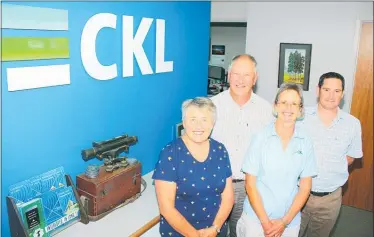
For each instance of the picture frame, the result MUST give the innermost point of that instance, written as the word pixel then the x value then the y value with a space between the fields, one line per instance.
pixel 294 64
pixel 218 49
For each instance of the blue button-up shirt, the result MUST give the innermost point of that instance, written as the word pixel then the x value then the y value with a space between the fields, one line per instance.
pixel 332 146
pixel 278 171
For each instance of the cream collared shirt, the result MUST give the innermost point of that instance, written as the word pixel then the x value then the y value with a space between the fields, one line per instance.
pixel 236 125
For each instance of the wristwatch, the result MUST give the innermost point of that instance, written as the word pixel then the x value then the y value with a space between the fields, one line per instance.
pixel 216 228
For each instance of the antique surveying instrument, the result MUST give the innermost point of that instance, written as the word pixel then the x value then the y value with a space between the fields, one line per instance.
pixel 114 184
pixel 110 150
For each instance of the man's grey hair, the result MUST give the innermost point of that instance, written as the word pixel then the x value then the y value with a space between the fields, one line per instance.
pixel 250 57
pixel 200 102
pixel 294 87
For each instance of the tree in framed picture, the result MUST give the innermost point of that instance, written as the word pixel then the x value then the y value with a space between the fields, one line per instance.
pixel 294 64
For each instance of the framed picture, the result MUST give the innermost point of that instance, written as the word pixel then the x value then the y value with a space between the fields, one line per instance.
pixel 294 64
pixel 218 49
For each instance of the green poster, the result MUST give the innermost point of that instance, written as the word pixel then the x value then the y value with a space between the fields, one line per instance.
pixel 32 48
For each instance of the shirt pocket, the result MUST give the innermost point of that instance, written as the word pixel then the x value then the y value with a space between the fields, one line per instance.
pixel 339 143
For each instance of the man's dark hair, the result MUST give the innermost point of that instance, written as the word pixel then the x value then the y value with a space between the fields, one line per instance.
pixel 331 75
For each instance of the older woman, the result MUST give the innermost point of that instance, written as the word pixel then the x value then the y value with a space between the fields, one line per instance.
pixel 193 177
pixel 279 166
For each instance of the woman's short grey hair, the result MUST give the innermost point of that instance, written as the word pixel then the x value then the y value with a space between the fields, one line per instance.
pixel 250 57
pixel 294 87
pixel 200 102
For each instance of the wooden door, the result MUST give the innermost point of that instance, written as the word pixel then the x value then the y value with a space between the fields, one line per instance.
pixel 359 188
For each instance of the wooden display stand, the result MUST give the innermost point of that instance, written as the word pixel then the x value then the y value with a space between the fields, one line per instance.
pixel 17 229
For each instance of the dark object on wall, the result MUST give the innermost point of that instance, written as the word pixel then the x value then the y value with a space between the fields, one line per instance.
pixel 218 49
pixel 17 228
pixel 109 191
pixel 228 24
pixel 179 130
pixel 109 150
pixel 294 64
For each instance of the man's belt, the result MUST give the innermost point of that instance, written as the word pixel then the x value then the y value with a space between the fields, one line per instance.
pixel 320 194
pixel 237 180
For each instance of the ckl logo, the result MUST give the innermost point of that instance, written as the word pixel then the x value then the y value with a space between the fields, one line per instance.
pixel 131 45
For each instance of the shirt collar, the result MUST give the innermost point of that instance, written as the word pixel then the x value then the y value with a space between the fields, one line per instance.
pixel 297 133
pixel 339 115
pixel 252 99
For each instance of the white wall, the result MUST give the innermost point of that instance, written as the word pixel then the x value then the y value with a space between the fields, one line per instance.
pixel 228 11
pixel 232 37
pixel 329 27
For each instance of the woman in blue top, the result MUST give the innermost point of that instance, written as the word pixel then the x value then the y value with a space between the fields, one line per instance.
pixel 279 166
pixel 193 177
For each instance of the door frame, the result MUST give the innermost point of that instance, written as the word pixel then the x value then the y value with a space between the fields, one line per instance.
pixel 357 41
pixel 356 45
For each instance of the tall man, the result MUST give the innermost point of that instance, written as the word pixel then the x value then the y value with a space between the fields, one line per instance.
pixel 240 114
pixel 337 141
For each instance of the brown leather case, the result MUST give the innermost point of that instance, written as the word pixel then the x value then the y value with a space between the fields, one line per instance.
pixel 109 189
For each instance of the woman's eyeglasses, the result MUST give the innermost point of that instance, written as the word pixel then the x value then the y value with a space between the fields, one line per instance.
pixel 292 105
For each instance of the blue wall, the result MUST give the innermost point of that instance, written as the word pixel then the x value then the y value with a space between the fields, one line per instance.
pixel 48 127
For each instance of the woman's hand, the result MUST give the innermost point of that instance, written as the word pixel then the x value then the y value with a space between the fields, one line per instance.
pixel 267 226
pixel 208 232
pixel 278 226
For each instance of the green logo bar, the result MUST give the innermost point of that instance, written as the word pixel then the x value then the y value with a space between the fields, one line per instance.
pixel 33 48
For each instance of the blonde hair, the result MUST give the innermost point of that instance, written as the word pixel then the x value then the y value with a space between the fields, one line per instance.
pixel 294 87
pixel 199 102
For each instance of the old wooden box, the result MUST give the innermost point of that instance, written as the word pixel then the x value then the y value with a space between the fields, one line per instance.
pixel 109 189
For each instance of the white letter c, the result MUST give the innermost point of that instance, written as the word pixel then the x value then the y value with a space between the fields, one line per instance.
pixel 88 46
